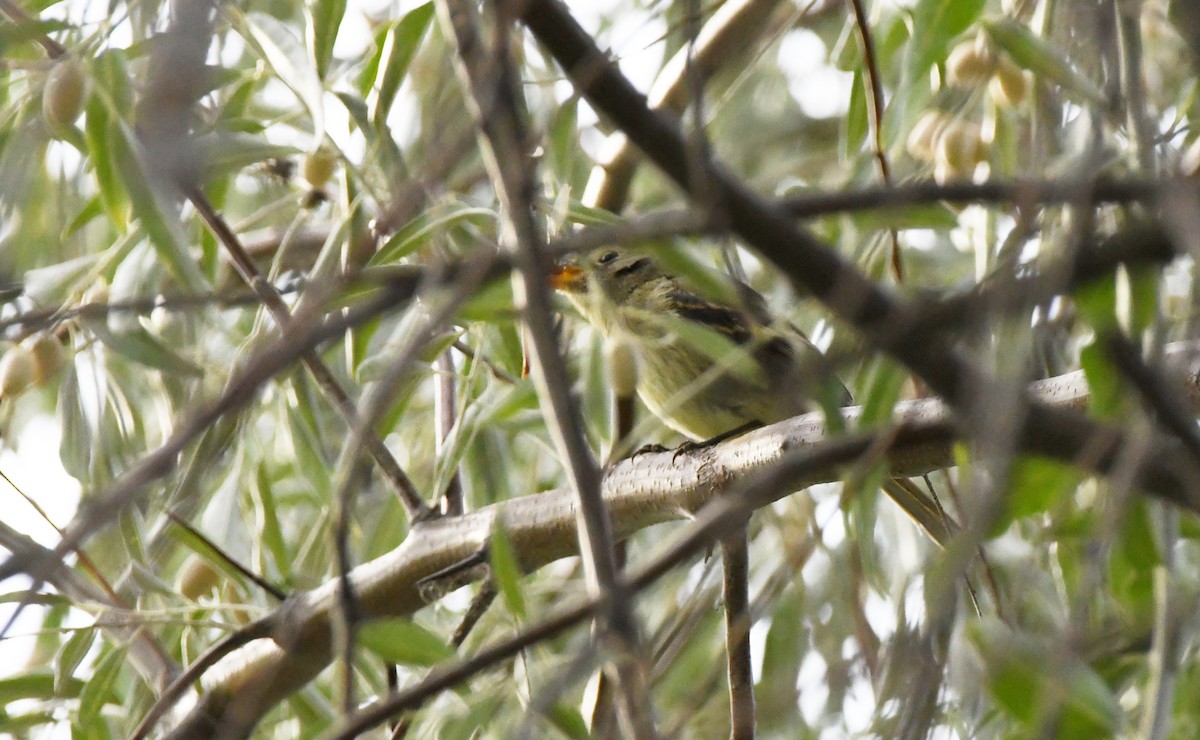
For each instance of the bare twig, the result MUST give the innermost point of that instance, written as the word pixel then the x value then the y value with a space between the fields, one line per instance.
pixel 735 552
pixel 226 558
pixel 333 390
pixel 875 108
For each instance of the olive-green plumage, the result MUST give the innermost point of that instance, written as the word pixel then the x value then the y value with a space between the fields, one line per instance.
pixel 704 368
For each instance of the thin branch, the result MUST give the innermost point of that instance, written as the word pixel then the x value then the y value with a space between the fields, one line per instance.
pixel 48 317
pixel 413 504
pixel 226 558
pixel 735 553
pixel 445 414
pixel 218 650
pixel 1156 390
pixel 1023 193
pixel 875 107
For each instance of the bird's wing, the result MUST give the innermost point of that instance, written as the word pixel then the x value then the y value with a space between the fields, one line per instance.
pixel 732 324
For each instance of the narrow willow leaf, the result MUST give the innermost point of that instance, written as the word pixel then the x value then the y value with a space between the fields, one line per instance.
pixel 226 152
pixel 289 59
pixel 784 651
pixel 936 23
pixel 590 215
pixel 112 192
pixel 857 121
pixel 395 56
pixel 506 571
pixel 568 720
pixel 158 218
pixel 1034 680
pixel 1035 486
pixel 268 528
pixel 139 345
pixel 324 21
pixel 69 656
pixel 1032 53
pixel 1107 396
pixel 404 642
pixel 36 685
pixel 75 447
pixel 427 225
pixel 99 689
pixel 91 210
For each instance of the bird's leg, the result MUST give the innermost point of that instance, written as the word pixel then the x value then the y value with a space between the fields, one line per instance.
pixel 689 446
pixel 648 449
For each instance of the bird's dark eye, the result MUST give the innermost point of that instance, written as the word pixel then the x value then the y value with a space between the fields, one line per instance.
pixel 607 257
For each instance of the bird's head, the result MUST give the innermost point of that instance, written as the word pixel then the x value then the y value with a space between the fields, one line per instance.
pixel 608 275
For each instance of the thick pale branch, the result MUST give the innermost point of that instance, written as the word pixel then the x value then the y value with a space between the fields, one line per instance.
pixel 646 490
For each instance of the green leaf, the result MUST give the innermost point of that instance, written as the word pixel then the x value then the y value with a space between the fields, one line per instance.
pixel 69 656
pixel 1143 300
pixel 857 123
pixel 404 642
pixel 395 56
pixel 1035 681
pixel 506 571
pixel 784 651
pixel 932 216
pixel 936 23
pixel 1032 53
pixel 324 20
pixel 268 528
pixel 139 345
pixel 112 192
pixel 98 690
pixel 154 214
pixel 579 213
pixel 1035 485
pixel 311 456
pixel 75 448
pixel 37 685
pixel 92 209
pixel 427 226
pixel 288 59
pixel 226 152
pixel 1107 397
pixel 564 139
pixel 1135 555
pixel 379 138
pixel 568 720
pixel 881 391
pixel 1097 302
pixel 22 32
pixel 20 724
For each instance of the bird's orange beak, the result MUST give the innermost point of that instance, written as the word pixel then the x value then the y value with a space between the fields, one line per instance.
pixel 568 277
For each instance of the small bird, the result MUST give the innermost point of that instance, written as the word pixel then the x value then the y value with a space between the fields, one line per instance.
pixel 709 369
pixel 703 367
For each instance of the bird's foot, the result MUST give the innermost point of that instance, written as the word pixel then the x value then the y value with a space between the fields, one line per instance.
pixel 689 446
pixel 648 450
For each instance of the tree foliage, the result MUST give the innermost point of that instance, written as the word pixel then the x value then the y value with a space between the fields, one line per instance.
pixel 269 267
